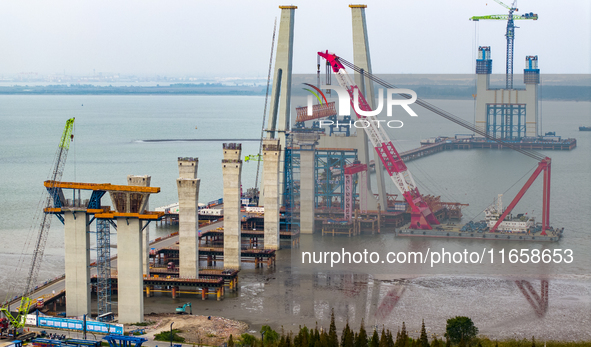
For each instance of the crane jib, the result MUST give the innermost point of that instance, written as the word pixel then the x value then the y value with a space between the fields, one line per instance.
pixel 421 216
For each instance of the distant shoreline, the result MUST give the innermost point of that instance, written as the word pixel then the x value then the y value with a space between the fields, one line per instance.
pixel 451 92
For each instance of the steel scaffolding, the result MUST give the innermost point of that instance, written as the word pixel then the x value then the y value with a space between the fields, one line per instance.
pixel 103 265
pixel 329 190
pixel 291 190
pixel 506 121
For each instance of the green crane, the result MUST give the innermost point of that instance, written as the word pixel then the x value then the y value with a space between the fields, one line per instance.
pixel 510 35
pixel 44 221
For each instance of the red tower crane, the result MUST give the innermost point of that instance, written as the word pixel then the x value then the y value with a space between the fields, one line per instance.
pixel 421 216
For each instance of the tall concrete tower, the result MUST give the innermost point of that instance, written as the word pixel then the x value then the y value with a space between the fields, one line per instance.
pixel 279 117
pixel 362 59
pixel 506 113
pixel 143 181
pixel 531 78
pixel 232 172
pixel 278 124
pixel 359 140
pixel 188 191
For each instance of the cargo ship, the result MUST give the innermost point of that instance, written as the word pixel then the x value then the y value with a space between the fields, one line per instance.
pixel 584 128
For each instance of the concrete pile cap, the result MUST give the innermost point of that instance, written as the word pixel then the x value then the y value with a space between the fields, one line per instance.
pixel 188 159
pixel 231 161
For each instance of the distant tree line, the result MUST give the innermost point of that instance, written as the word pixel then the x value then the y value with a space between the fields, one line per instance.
pixel 460 332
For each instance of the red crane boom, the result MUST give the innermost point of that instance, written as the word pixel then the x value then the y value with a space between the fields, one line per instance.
pixel 421 216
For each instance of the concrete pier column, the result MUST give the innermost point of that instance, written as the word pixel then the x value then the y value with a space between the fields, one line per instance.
pixel 130 276
pixel 362 59
pixel 143 181
pixel 232 174
pixel 279 116
pixel 271 199
pixel 188 191
pixel 77 251
pixel 307 160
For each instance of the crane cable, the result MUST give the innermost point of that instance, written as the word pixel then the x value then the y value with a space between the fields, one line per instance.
pixel 256 182
pixel 530 153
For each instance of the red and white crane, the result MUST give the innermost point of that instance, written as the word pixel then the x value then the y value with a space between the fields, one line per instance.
pixel 421 215
pixel 397 170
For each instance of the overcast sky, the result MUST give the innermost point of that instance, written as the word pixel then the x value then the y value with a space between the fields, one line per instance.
pixel 233 38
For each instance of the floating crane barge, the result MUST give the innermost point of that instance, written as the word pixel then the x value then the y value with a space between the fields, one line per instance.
pixel 499 224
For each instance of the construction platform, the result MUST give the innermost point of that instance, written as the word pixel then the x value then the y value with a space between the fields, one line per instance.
pixel 443 143
pixel 454 232
pixel 215 237
pixel 210 282
pixel 331 222
pixel 214 254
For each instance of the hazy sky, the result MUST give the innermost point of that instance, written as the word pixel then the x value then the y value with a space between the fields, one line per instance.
pixel 233 38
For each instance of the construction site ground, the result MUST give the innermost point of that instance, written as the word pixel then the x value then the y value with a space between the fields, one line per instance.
pixel 196 329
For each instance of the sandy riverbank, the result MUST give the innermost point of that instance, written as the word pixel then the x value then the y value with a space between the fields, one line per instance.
pixel 195 329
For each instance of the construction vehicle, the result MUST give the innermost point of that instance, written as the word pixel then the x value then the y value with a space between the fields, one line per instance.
pixel 183 309
pixel 17 320
pixel 510 35
pixel 383 143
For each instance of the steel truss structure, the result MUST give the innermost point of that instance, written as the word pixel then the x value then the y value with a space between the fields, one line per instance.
pixel 103 265
pixel 506 121
pixel 329 174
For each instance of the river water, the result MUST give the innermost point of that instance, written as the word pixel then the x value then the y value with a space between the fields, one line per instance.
pixel 109 144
